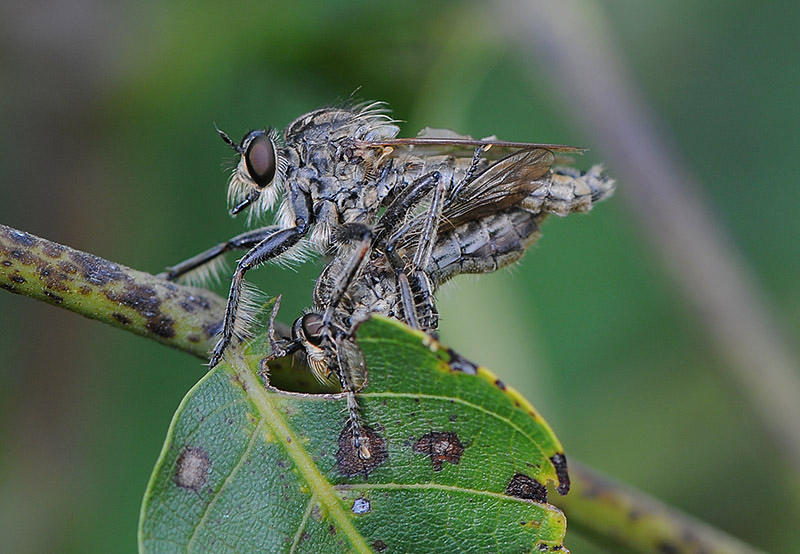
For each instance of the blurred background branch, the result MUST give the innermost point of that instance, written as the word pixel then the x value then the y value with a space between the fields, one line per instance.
pixel 573 43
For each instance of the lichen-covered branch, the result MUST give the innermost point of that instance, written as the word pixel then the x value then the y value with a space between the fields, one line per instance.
pixel 611 513
pixel 186 318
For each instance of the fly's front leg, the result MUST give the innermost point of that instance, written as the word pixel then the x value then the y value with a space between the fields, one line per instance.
pixel 245 241
pixel 272 246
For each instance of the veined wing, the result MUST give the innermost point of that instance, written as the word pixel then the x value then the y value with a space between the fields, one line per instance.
pixel 436 142
pixel 501 185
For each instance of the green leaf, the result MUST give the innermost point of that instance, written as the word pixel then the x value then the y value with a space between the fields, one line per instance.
pixel 248 468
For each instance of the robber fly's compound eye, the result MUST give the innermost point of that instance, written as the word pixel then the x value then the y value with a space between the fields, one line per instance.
pixel 313 328
pixel 260 159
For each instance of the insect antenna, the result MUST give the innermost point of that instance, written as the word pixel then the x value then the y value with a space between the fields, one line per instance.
pixel 229 141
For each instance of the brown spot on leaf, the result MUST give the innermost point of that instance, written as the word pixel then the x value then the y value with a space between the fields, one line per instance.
pixel 500 385
pixel 192 468
pixel 378 545
pixel 559 461
pixel 18 278
pixel 527 488
pixel 349 461
pixel 441 446
pixel 460 363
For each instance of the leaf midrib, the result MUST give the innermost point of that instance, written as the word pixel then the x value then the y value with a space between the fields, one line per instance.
pixel 320 487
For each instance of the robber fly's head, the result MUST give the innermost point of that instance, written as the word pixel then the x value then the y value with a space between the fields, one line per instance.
pixel 257 178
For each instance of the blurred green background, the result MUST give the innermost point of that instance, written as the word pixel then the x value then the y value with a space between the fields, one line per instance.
pixel 108 145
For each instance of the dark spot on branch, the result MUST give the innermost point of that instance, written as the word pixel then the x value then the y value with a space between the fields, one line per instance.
pixel 527 488
pixel 192 468
pixel 19 237
pixel 441 447
pixel 559 461
pixel 122 318
pixel 97 270
pixel 348 458
pixel 68 267
pixel 24 257
pixel 142 299
pixel 162 326
pixel 6 263
pixel 52 249
pixel 18 279
pixel 146 302
pixel 52 277
pixel 213 329
pixel 54 297
pixel 191 303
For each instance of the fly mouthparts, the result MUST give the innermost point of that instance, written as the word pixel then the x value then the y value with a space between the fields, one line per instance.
pixel 249 199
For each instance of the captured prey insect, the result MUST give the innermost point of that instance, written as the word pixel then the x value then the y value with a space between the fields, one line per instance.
pixel 351 190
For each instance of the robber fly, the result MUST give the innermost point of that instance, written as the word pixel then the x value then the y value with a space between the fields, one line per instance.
pixel 348 187
pixel 335 166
